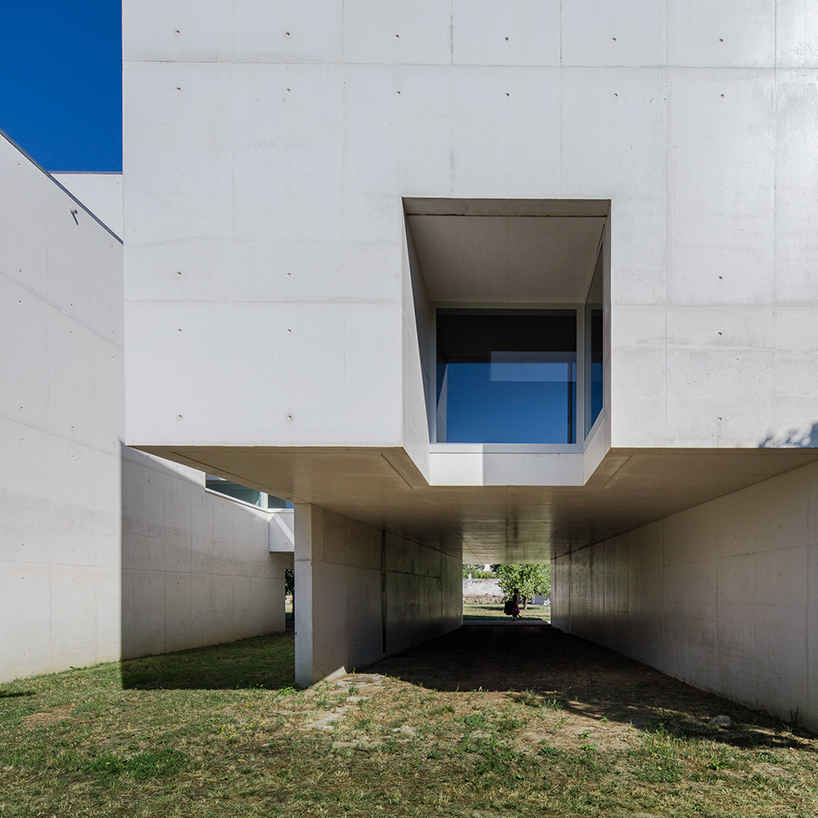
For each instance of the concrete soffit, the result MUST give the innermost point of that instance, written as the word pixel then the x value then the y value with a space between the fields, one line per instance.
pixel 495 523
pixel 506 251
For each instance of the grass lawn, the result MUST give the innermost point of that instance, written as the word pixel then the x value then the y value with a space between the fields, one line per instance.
pixel 534 613
pixel 222 732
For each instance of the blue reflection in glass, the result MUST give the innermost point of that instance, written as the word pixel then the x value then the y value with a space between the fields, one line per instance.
pixel 594 367
pixel 506 376
pixel 511 402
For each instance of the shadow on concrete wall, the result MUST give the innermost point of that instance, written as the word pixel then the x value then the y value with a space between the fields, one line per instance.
pixel 159 502
pixel 794 439
pixel 142 523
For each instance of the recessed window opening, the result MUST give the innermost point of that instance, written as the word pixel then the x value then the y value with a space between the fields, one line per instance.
pixel 244 494
pixel 506 376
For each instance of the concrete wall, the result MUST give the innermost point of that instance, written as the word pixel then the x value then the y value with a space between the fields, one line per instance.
pixel 267 151
pixel 101 193
pixel 61 413
pixel 723 595
pixel 103 550
pixel 362 593
pixel 196 569
pixel 482 587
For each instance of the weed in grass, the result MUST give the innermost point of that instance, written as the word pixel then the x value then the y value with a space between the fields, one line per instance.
pixel 508 724
pixel 551 753
pixel 528 697
pixel 149 764
pixel 655 761
pixel 722 759
pixel 494 757
pixel 532 699
pixel 475 720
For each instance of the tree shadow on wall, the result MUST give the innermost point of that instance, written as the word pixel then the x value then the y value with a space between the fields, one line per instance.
pixel 794 440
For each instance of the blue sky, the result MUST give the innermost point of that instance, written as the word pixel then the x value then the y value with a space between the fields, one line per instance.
pixel 61 86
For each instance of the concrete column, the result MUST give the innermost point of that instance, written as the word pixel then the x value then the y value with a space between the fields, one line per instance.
pixel 303 595
pixel 338 586
pixel 361 593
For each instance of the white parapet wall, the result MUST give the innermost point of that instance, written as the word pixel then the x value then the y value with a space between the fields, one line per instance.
pixel 101 193
pixel 723 596
pixel 104 551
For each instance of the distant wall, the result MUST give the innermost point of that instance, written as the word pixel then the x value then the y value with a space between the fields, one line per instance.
pixel 723 596
pixel 103 551
pixel 481 587
pixel 61 412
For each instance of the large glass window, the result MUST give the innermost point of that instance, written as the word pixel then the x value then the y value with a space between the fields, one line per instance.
pixel 506 376
pixel 594 349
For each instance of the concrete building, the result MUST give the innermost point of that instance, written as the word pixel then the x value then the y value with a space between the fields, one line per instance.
pixel 494 280
pixel 105 552
pixel 465 280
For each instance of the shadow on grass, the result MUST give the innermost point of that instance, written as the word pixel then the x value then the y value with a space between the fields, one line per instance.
pixel 494 612
pixel 478 618
pixel 7 694
pixel 581 678
pixel 262 662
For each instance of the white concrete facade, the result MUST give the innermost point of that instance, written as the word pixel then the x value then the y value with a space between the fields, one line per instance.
pixel 269 159
pixel 196 567
pixel 104 551
pixel 316 179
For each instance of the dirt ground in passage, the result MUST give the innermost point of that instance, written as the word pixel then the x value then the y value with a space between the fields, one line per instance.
pixel 600 695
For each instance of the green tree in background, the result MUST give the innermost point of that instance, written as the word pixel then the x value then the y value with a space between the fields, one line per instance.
pixel 530 579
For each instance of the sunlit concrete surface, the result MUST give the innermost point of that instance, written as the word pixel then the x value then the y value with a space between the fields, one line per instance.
pixel 101 193
pixel 104 551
